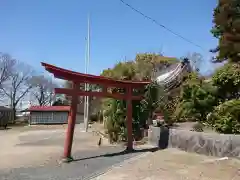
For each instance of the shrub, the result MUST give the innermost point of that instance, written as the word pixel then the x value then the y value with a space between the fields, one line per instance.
pixel 226 117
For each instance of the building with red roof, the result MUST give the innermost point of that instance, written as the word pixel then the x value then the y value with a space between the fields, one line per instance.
pixel 49 108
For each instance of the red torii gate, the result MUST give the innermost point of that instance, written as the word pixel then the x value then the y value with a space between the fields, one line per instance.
pixel 78 78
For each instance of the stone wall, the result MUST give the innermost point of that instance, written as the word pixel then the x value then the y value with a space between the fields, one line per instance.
pixel 220 145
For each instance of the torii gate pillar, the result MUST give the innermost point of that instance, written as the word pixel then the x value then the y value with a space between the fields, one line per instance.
pixel 129 120
pixel 67 157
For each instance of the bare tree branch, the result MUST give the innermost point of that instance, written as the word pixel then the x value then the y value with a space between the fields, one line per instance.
pixel 196 60
pixel 43 90
pixel 6 68
pixel 18 85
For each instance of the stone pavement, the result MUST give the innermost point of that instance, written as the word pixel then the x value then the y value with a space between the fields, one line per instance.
pixel 173 164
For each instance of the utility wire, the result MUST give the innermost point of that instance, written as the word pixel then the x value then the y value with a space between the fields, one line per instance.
pixel 161 25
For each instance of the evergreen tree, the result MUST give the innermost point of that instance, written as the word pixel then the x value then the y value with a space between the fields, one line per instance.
pixel 227 30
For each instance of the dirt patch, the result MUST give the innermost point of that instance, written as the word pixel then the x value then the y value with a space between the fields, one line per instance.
pixel 172 164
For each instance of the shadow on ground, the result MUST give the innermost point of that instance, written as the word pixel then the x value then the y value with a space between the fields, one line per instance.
pixel 119 153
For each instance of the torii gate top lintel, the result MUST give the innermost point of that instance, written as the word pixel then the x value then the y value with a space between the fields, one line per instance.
pixel 88 78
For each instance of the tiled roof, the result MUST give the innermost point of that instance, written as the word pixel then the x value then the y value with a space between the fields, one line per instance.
pixel 49 108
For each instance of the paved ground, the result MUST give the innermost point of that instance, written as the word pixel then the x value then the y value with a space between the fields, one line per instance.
pixel 89 163
pixel 34 152
pixel 172 164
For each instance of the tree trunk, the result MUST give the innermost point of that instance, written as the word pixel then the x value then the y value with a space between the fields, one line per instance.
pixel 14 115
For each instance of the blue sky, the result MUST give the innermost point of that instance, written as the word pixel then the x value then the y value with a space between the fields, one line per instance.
pixel 54 31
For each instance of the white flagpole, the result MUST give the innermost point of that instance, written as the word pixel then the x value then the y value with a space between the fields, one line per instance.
pixel 86 104
pixel 85 88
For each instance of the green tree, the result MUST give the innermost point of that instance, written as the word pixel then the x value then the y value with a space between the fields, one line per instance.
pixel 115 110
pixel 226 117
pixel 227 29
pixel 148 64
pixel 121 71
pixel 197 99
pixel 227 79
pixel 142 68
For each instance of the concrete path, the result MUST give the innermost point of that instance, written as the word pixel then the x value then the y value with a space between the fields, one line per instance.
pixel 172 164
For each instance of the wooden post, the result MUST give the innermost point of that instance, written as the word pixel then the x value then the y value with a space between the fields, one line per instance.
pixel 71 125
pixel 129 119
